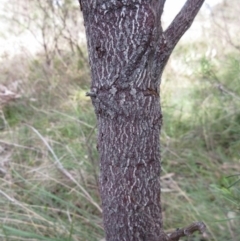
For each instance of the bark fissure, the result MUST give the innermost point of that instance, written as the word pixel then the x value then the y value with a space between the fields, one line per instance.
pixel 128 51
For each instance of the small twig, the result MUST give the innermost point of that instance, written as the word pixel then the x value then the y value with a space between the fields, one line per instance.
pixel 189 230
pixel 20 146
pixel 80 3
pixel 91 94
pixel 224 90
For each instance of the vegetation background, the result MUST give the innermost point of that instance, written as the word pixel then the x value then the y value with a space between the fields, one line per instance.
pixel 48 157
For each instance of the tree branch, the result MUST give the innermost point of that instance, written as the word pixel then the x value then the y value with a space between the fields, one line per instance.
pixel 161 3
pixel 80 3
pixel 189 230
pixel 182 22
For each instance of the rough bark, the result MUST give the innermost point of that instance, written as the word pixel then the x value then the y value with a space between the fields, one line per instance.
pixel 128 51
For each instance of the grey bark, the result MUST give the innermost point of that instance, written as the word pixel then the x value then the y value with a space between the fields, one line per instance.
pixel 128 51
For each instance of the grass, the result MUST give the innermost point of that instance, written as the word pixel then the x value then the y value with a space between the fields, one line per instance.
pixel 49 161
pixel 200 148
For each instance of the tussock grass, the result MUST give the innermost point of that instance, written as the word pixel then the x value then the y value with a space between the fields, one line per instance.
pixel 49 167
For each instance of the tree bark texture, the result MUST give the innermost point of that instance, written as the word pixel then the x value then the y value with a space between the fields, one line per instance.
pixel 127 52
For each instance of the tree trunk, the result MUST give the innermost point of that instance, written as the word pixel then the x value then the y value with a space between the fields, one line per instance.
pixel 128 51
